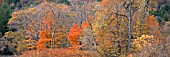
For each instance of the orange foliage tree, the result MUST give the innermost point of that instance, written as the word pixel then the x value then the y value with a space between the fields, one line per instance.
pixel 43 38
pixel 152 22
pixel 73 35
pixel 46 32
pixel 85 24
pixel 81 34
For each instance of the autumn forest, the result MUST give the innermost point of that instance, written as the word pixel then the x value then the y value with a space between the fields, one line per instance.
pixel 85 28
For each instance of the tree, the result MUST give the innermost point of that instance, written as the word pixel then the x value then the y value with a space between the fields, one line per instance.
pixel 123 20
pixel 108 27
pixel 6 10
pixel 73 35
pixel 32 21
pixel 44 40
pixel 127 11
pixel 48 31
pixel 81 34
pixel 15 41
pixel 82 12
pixel 161 12
pixel 64 2
pixel 87 38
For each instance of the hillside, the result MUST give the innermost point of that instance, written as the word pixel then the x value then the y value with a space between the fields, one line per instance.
pixel 85 28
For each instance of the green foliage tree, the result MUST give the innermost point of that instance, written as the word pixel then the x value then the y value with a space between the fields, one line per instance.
pixel 162 12
pixel 64 2
pixel 6 10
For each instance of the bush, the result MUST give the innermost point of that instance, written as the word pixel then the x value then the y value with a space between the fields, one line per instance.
pixel 60 53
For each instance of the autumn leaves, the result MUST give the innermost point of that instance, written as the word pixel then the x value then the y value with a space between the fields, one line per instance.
pixel 73 35
pixel 152 22
pixel 102 27
pixel 43 38
pixel 75 32
pixel 46 35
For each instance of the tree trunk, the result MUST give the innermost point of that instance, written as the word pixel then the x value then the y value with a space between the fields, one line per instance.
pixel 129 26
pixel 94 40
